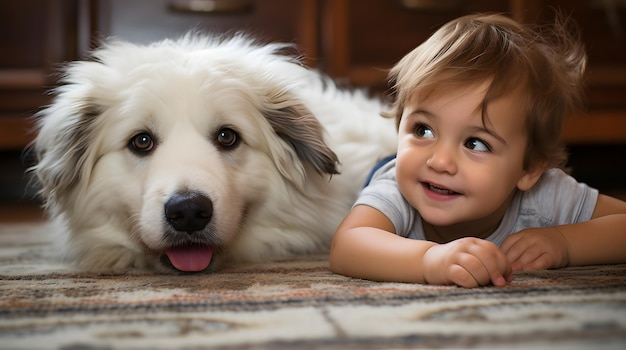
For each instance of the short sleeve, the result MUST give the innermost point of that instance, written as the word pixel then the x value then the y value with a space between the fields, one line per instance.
pixel 558 199
pixel 384 195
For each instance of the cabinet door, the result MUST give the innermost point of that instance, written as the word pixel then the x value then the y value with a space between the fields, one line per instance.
pixel 36 36
pixel 361 40
pixel 602 25
pixel 144 21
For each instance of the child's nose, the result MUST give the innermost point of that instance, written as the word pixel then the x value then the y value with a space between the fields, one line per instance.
pixel 443 160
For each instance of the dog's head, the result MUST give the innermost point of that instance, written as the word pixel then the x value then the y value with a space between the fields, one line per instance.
pixel 166 149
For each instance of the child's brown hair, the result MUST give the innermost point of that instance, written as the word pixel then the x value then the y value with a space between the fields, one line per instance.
pixel 547 67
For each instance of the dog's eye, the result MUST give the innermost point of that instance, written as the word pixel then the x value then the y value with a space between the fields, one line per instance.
pixel 227 138
pixel 141 143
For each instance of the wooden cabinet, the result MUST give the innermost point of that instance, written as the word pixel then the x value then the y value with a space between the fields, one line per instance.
pixel 145 21
pixel 361 40
pixel 35 36
pixel 603 29
pixel 354 41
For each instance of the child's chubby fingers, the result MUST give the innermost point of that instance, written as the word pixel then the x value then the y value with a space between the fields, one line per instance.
pixel 468 271
pixel 462 277
pixel 512 248
pixel 538 262
pixel 496 264
pixel 471 272
pixel 518 251
pixel 451 264
pixel 527 260
pixel 467 262
pixel 486 263
pixel 535 250
pixel 534 259
pixel 499 279
pixel 500 270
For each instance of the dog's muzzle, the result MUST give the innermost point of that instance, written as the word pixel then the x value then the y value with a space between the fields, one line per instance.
pixel 188 214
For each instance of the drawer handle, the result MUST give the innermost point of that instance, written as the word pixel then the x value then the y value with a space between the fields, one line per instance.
pixel 211 6
pixel 440 5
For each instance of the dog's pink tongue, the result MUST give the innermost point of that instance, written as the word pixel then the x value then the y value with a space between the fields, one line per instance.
pixel 190 258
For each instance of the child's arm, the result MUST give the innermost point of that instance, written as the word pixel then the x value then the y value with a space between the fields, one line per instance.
pixel 601 240
pixel 365 246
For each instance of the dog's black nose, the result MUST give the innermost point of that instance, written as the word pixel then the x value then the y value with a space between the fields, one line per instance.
pixel 188 211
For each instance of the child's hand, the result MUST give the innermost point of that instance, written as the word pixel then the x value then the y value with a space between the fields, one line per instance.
pixel 536 249
pixel 468 262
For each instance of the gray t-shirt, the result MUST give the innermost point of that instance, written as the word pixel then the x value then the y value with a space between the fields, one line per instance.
pixel 556 199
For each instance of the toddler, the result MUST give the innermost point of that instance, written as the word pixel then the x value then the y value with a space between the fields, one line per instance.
pixel 476 191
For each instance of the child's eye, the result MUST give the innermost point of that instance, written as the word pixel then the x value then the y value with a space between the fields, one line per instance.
pixel 423 131
pixel 477 145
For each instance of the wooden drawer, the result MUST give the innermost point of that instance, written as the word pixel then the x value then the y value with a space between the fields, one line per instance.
pixel 145 21
pixel 36 36
pixel 361 40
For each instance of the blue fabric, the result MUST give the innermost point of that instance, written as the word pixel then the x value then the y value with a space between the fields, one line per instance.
pixel 378 166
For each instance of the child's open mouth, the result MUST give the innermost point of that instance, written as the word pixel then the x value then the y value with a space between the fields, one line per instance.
pixel 439 190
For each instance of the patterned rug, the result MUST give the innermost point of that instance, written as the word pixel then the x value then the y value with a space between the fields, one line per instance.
pixel 294 304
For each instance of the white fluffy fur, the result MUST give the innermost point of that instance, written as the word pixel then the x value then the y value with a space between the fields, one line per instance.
pixel 272 194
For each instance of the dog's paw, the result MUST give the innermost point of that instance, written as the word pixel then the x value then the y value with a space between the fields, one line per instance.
pixel 115 259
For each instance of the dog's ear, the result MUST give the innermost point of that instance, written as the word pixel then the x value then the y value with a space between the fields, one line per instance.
pixel 302 132
pixel 61 150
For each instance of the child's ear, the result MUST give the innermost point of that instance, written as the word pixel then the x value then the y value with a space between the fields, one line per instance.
pixel 530 177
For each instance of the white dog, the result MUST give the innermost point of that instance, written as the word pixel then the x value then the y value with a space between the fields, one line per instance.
pixel 193 153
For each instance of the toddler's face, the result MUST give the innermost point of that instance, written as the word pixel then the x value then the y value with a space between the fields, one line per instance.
pixel 455 169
